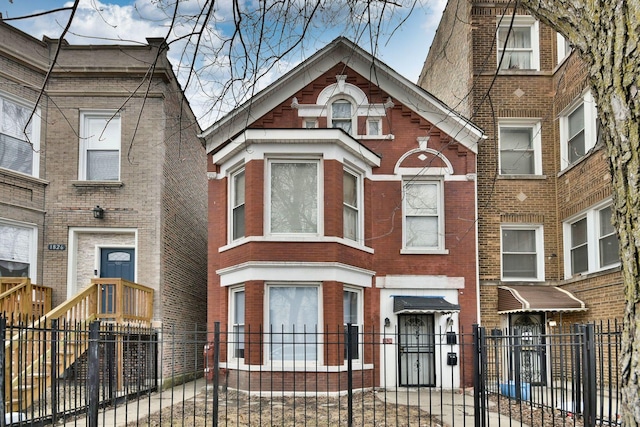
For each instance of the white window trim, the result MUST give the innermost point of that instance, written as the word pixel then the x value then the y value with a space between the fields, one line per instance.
pixel 536 145
pixel 232 308
pixel 521 21
pixel 320 192
pixel 279 363
pixel 360 205
pixel 230 203
pixel 593 239
pixel 540 274
pixel 35 132
pixel 440 249
pixel 360 323
pixel 590 128
pixel 563 52
pixel 82 161
pixel 33 245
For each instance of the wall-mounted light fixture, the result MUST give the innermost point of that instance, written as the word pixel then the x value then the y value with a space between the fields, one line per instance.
pixel 387 322
pixel 98 212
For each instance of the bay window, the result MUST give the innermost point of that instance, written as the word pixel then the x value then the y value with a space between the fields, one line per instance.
pixel 293 322
pixel 17 250
pixel 237 197
pixel 294 196
pixel 19 137
pixel 351 205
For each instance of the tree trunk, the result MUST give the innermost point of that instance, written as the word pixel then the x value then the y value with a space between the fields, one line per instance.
pixel 606 35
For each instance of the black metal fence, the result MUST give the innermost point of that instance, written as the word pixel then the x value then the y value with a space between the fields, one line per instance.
pixel 125 376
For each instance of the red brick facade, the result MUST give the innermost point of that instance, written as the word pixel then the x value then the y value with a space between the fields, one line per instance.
pixel 376 264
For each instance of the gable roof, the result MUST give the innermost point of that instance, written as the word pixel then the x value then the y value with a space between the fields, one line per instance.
pixel 342 50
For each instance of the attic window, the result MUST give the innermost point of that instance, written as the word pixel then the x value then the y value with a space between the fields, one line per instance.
pixel 341 115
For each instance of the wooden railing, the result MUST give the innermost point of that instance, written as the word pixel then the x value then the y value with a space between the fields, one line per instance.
pixel 21 301
pixel 110 300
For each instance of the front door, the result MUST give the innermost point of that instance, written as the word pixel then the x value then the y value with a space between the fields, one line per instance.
pixel 117 262
pixel 416 345
pixel 114 263
pixel 532 347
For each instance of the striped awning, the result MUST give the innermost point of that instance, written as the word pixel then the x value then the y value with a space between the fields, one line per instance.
pixel 423 304
pixel 527 298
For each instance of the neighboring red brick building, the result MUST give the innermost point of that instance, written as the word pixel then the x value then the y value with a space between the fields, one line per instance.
pixel 340 194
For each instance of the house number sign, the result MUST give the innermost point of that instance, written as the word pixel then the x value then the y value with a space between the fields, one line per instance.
pixel 57 247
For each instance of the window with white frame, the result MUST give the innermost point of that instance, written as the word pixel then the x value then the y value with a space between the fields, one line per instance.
pixel 294 316
pixel 237 198
pixel 578 130
pixel 374 127
pixel 522 252
pixel 352 308
pixel 422 208
pixel 564 47
pixel 19 137
pixel 520 148
pixel 351 216
pixel 99 147
pixel 518 45
pixel 310 123
pixel 294 196
pixel 237 322
pixel 591 242
pixel 342 115
pixel 17 250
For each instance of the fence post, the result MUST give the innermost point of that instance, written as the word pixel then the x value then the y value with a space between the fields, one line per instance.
pixel 349 375
pixel 577 370
pixel 517 358
pixel 478 377
pixel 110 351
pixel 589 375
pixel 216 372
pixel 3 391
pixel 93 374
pixel 54 370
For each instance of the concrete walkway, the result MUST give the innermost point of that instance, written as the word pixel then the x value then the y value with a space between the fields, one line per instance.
pixel 454 409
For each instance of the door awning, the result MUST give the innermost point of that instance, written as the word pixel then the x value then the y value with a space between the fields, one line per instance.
pixel 423 304
pixel 526 298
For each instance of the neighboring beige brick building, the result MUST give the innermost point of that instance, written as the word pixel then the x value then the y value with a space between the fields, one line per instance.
pixel 544 190
pixel 104 134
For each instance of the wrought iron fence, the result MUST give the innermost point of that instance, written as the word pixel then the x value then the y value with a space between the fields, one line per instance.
pixel 124 376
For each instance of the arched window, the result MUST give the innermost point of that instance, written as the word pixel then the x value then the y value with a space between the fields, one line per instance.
pixel 341 115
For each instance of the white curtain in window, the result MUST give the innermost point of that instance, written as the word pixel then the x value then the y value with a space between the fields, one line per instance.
pixel 517 47
pixel 15 245
pixel 294 197
pixel 293 317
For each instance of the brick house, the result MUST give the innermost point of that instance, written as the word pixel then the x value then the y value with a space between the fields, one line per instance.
pixel 341 194
pixel 114 184
pixel 548 253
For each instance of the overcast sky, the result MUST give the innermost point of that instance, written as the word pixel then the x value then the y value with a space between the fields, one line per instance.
pixel 109 21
